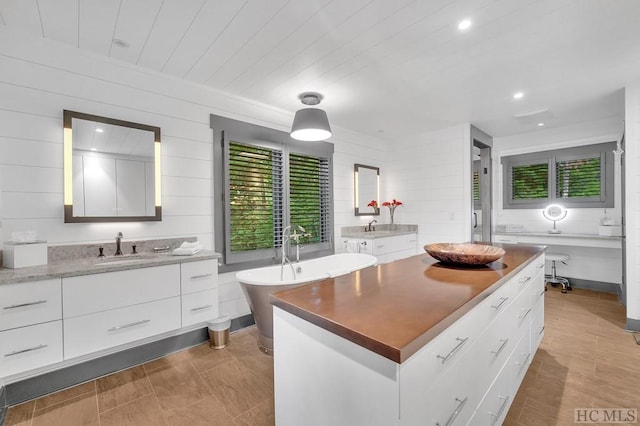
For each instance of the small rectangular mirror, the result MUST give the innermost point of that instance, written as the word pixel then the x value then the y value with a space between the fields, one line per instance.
pixel 111 170
pixel 367 189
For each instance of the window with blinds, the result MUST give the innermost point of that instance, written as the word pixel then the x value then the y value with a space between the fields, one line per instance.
pixel 573 177
pixel 309 196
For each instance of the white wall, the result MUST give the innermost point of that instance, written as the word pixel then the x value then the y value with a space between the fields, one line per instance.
pixel 430 173
pixel 603 265
pixel 38 79
pixel 632 200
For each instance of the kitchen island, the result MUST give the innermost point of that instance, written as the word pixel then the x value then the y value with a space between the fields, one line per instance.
pixel 409 342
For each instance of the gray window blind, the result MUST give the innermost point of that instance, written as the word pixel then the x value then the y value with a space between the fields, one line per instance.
pixel 578 178
pixel 530 181
pixel 255 197
pixel 309 195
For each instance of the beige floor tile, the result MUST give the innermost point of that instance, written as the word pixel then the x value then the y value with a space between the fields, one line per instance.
pixel 141 412
pixel 165 362
pixel 20 415
pixel 244 348
pixel 203 357
pixel 79 411
pixel 178 385
pixel 208 412
pixel 238 388
pixel 261 415
pixel 119 388
pixel 67 394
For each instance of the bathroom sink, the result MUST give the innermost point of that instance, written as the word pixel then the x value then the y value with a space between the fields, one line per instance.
pixel 123 260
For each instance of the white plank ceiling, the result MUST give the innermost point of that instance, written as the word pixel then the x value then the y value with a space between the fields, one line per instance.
pixel 386 68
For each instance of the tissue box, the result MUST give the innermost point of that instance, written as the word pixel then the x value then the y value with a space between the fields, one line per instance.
pixel 610 230
pixel 21 255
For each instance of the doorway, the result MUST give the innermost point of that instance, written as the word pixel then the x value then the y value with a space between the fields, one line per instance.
pixel 481 144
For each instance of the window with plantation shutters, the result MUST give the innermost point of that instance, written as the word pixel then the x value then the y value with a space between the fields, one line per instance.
pixel 573 177
pixel 264 182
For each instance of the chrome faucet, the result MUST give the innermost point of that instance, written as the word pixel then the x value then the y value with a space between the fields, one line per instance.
pixel 286 236
pixel 370 226
pixel 118 241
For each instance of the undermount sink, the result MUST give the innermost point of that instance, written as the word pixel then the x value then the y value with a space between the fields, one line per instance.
pixel 123 260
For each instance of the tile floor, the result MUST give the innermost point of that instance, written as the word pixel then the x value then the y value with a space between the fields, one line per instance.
pixel 586 359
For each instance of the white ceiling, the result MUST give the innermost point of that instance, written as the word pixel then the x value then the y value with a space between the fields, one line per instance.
pixel 387 68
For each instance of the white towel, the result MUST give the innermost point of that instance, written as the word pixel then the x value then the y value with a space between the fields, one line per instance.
pixel 187 249
pixel 353 246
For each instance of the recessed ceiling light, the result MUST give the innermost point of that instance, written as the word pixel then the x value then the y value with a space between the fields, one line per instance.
pixel 518 95
pixel 99 130
pixel 465 24
pixel 93 149
pixel 540 124
pixel 120 43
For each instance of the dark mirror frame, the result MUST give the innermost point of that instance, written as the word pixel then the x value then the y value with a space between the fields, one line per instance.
pixel 356 170
pixel 68 116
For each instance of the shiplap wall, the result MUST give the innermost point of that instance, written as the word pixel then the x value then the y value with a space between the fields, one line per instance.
pixel 632 200
pixel 588 263
pixel 38 79
pixel 430 173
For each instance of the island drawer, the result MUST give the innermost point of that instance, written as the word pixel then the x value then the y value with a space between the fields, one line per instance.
pixel 199 276
pixel 494 406
pixel 26 348
pixel 102 330
pixel 29 303
pixel 99 292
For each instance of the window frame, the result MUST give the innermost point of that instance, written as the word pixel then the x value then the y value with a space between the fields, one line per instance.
pixel 227 130
pixel 607 188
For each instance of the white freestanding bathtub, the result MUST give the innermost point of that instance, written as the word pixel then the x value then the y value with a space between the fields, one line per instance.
pixel 258 284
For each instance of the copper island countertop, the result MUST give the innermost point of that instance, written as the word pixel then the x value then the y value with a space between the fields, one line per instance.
pixel 396 308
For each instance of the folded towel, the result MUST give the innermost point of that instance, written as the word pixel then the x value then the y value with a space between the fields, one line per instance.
pixel 187 249
pixel 353 246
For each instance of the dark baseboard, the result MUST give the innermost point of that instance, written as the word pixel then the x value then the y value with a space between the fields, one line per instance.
pixel 35 387
pixel 595 285
pixel 633 324
pixel 3 405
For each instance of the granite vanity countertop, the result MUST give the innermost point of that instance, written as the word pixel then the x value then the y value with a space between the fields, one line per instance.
pixel 95 265
pixel 382 231
pixel 396 308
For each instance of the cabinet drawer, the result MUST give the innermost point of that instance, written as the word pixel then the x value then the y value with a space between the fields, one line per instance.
pixel 527 276
pixel 520 360
pixel 537 328
pixel 495 405
pixel 199 307
pixel 199 276
pixel 29 303
pixel 26 348
pixel 493 349
pixel 102 330
pixel 520 312
pixel 99 292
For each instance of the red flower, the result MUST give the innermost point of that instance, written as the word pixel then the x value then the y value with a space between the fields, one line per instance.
pixel 373 203
pixel 393 203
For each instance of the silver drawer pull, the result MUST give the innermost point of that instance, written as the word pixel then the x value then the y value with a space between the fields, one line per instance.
pixel 200 308
pixel 195 277
pixel 541 293
pixel 541 330
pixel 454 350
pixel 502 407
pixel 525 280
pixel 524 361
pixel 540 266
pixel 131 324
pixel 452 417
pixel 502 300
pixel 504 343
pixel 35 348
pixel 525 314
pixel 22 305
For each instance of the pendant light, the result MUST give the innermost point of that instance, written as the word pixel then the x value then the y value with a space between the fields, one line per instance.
pixel 310 124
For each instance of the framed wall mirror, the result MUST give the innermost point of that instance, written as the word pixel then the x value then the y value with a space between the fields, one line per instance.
pixel 111 170
pixel 367 189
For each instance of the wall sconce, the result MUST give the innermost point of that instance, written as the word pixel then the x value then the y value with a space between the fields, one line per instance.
pixel 554 213
pixel 310 124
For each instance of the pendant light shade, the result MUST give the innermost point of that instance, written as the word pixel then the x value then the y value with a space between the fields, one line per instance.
pixel 310 124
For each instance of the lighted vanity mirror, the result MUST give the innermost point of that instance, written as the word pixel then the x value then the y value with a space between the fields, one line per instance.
pixel 111 170
pixel 367 189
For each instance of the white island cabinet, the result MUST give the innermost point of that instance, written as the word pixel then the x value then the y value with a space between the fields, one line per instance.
pixel 332 366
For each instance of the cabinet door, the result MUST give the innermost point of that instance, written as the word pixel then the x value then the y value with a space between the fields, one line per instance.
pixel 103 330
pixel 29 303
pixel 199 276
pixel 199 307
pixel 26 348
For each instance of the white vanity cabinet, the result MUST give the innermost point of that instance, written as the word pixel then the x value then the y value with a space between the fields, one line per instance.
pixel 30 320
pixel 388 249
pixel 109 309
pixel 199 289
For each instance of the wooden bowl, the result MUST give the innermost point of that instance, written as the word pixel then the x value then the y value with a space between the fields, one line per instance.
pixel 464 253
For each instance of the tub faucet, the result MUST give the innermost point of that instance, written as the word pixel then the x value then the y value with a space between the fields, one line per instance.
pixel 370 226
pixel 118 241
pixel 286 236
